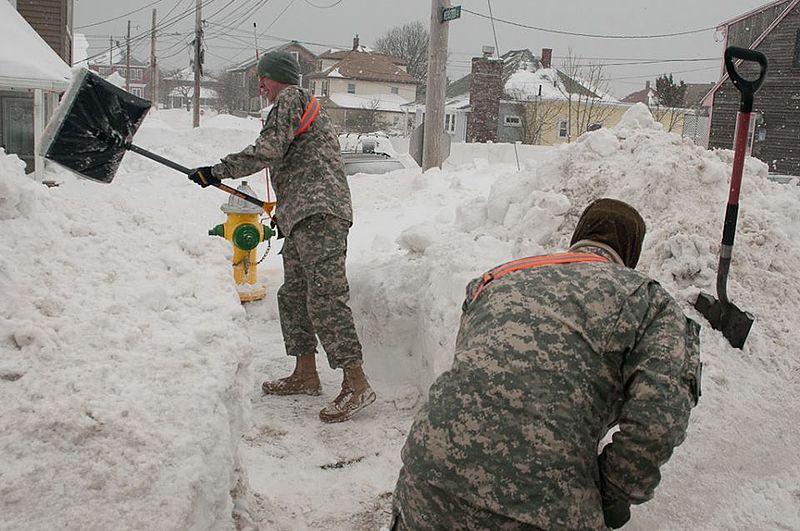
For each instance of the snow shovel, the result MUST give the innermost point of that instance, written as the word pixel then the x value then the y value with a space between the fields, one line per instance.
pixel 722 314
pixel 94 127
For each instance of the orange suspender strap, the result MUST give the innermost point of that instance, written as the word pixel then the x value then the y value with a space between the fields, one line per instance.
pixel 527 263
pixel 312 109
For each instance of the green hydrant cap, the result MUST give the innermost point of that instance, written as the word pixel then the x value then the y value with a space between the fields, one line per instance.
pixel 246 236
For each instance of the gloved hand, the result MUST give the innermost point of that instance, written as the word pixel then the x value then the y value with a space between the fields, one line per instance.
pixel 203 176
pixel 273 223
pixel 616 513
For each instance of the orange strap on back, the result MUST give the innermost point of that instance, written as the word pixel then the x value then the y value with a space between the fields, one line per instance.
pixel 528 263
pixel 312 109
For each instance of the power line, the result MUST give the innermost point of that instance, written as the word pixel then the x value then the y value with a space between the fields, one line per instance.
pixel 324 7
pixel 660 73
pixel 118 17
pixel 591 35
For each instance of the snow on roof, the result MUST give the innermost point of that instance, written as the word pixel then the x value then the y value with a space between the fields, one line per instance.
pixel 187 74
pixel 381 102
pixel 544 83
pixel 335 73
pixel 116 79
pixel 26 61
pixel 80 50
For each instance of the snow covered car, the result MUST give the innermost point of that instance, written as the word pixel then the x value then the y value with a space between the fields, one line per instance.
pixel 368 154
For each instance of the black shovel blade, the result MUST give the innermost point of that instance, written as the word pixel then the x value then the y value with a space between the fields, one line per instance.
pixel 726 317
pixel 92 127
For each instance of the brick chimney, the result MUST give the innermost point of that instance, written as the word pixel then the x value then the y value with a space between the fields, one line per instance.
pixel 484 98
pixel 547 57
pixel 355 43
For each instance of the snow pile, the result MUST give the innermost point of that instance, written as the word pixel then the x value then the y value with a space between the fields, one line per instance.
pixel 122 373
pixel 738 467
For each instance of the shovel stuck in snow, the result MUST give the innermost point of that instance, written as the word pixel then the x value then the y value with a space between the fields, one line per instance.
pixel 722 314
pixel 94 127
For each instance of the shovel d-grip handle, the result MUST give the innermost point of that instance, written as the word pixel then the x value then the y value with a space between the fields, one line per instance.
pixel 188 171
pixel 746 87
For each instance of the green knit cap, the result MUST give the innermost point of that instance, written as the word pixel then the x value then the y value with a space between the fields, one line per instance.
pixel 279 66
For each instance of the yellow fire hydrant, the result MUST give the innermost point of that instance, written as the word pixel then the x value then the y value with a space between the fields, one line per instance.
pixel 244 230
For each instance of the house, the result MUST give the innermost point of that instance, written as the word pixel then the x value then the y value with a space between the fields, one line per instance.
pixel 177 90
pixel 520 97
pixel 242 84
pixel 774 30
pixel 137 82
pixel 52 20
pixel 690 118
pixel 364 91
pixel 32 76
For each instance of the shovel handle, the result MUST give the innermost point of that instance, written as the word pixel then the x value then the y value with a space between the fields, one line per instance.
pixel 188 171
pixel 746 87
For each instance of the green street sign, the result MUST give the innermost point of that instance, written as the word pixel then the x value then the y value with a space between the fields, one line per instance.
pixel 451 13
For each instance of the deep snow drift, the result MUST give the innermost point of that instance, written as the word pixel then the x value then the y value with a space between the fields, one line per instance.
pixel 125 358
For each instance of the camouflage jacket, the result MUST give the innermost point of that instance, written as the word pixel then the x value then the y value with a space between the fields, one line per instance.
pixel 546 360
pixel 307 171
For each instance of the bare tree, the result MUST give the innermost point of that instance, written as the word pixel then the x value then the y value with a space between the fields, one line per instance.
pixel 365 120
pixel 410 42
pixel 586 85
pixel 229 93
pixel 539 117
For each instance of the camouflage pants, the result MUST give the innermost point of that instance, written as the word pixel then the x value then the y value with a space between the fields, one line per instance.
pixel 313 300
pixel 419 506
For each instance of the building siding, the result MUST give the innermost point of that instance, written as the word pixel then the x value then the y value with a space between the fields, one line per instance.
pixel 777 138
pixel 50 19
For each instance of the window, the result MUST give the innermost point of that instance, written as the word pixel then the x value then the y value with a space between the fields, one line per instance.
pixel 136 73
pixel 562 129
pixel 513 121
pixel 351 88
pixel 450 122
pixel 325 87
pixel 319 65
pixel 395 90
pixel 136 91
pixel 312 86
pixel 244 78
pixel 296 56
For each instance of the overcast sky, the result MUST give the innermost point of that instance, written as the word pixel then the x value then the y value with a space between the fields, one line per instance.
pixel 313 22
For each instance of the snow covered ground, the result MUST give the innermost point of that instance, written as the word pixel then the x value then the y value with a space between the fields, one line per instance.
pixel 130 374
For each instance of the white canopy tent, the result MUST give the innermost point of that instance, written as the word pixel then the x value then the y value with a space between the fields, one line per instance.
pixel 29 65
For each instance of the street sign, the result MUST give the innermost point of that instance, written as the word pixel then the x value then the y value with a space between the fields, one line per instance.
pixel 451 13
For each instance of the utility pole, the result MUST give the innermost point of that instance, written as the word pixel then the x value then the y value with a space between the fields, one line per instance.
pixel 198 34
pixel 437 84
pixel 153 67
pixel 110 52
pixel 128 59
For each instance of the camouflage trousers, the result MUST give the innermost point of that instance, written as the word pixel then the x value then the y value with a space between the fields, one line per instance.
pixel 313 300
pixel 420 506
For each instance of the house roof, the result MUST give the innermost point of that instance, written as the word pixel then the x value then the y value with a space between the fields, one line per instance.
pixel 379 102
pixel 368 67
pixel 338 55
pixel 26 61
pixel 752 12
pixel 792 5
pixel 524 78
pixel 247 63
pixel 640 96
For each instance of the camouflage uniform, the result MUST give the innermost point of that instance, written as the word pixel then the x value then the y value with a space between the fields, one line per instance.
pixel 314 212
pixel 546 360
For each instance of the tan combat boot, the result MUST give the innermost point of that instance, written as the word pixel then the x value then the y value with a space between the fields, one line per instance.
pixel 356 394
pixel 303 381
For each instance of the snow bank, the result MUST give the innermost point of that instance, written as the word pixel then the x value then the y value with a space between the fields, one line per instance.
pixel 122 375
pixel 738 467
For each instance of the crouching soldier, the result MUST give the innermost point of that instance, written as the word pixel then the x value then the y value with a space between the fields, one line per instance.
pixel 552 351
